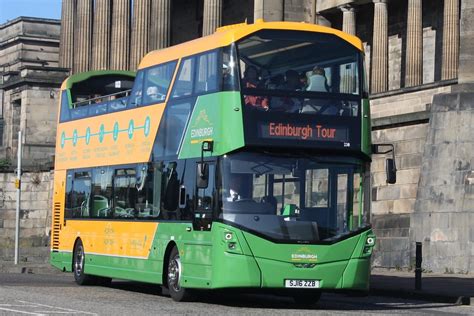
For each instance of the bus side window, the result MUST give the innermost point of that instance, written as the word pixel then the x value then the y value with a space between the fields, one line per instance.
pixel 205 202
pixel 170 192
pixel 124 184
pixel 68 206
pixel 157 82
pixel 206 79
pixel 183 85
pixel 101 205
pixel 172 128
pixel 135 98
pixel 65 110
pixel 78 191
pixel 144 205
pixel 175 179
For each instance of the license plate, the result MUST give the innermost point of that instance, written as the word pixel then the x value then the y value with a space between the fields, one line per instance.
pixel 302 284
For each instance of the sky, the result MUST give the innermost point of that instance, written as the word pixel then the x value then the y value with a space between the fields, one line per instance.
pixel 11 9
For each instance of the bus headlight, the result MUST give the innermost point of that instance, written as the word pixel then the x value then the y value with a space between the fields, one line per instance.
pixel 228 236
pixel 370 241
pixel 369 245
pixel 231 242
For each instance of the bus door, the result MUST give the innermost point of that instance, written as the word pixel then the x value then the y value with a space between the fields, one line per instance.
pixel 197 252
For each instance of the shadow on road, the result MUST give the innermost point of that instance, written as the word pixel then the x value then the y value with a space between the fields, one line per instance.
pixel 246 299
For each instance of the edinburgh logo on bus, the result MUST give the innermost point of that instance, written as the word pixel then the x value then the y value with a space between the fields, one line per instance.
pixel 307 132
pixel 202 127
pixel 304 254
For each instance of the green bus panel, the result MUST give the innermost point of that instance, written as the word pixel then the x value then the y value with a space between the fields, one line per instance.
pixel 253 262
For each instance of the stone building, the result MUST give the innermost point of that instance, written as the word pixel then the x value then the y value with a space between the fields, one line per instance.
pixel 421 71
pixel 29 83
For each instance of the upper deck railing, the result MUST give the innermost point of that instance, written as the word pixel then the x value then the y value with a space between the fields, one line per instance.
pixel 102 99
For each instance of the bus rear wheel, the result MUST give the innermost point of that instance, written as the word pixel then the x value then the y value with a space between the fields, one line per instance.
pixel 173 275
pixel 79 261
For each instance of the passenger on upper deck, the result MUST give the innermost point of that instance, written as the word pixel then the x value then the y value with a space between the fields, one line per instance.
pixel 252 81
pixel 288 104
pixel 153 94
pixel 317 81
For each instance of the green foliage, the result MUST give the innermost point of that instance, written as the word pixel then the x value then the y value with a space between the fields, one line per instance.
pixel 5 163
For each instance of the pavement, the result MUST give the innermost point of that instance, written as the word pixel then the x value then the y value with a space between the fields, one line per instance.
pixel 440 288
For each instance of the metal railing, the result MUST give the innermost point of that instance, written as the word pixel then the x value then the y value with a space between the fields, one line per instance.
pixel 102 99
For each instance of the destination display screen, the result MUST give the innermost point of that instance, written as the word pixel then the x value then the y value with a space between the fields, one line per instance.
pixel 304 132
pixel 295 130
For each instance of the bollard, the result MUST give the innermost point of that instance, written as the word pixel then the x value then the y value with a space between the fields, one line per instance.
pixel 418 260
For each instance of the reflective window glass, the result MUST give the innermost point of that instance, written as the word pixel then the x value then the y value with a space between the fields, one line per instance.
pixel 183 85
pixel 207 78
pixel 101 205
pixel 136 95
pixel 171 130
pixel 157 82
pixel 78 191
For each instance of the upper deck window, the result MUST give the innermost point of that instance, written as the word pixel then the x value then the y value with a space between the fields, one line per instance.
pixel 208 72
pixel 207 78
pixel 157 82
pixel 152 84
pixel 300 72
pixel 183 85
pixel 96 94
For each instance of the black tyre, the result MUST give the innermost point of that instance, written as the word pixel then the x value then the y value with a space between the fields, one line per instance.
pixel 307 298
pixel 173 278
pixel 79 261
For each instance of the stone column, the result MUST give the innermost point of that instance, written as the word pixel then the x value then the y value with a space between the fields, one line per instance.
pixel 212 16
pixel 83 28
pixel 348 73
pixel 101 35
pixel 66 49
pixel 414 56
pixel 380 48
pixel 120 39
pixel 139 32
pixel 348 19
pixel 269 10
pixel 309 7
pixel 450 55
pixel 466 39
pixel 160 24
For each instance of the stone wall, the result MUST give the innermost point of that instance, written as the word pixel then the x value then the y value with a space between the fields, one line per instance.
pixel 35 216
pixel 400 118
pixel 443 217
pixel 34 109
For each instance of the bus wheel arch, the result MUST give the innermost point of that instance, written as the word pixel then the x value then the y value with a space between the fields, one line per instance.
pixel 78 239
pixel 166 260
pixel 173 273
pixel 78 264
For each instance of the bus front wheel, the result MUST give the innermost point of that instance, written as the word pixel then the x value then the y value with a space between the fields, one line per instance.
pixel 79 261
pixel 176 291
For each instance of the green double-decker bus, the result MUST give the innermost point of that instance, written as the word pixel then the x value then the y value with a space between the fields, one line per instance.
pixel 238 160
